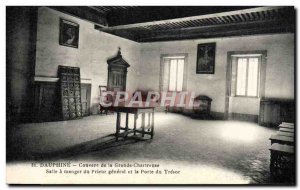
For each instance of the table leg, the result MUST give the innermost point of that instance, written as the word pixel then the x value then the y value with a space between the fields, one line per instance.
pixel 149 124
pixel 272 164
pixel 118 125
pixel 143 124
pixel 126 126
pixel 134 125
pixel 152 125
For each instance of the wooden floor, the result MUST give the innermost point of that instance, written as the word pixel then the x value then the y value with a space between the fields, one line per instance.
pixel 239 147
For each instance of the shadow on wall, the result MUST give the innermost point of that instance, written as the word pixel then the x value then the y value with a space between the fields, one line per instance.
pixel 21 29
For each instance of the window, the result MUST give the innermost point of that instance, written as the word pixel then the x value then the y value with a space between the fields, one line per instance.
pixel 173 72
pixel 176 74
pixel 247 76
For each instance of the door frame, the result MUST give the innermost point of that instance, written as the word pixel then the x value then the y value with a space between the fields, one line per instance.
pixel 88 87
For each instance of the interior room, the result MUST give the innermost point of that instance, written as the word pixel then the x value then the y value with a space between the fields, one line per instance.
pixel 236 65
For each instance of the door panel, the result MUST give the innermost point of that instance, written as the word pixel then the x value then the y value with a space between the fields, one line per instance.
pixel 85 98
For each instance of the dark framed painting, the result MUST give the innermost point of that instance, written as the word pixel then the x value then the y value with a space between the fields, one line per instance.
pixel 68 33
pixel 206 58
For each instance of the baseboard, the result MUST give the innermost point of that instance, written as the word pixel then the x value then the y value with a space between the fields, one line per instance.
pixel 213 115
pixel 218 115
pixel 160 109
pixel 243 117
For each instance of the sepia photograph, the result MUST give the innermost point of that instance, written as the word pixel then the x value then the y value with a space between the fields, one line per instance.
pixel 151 95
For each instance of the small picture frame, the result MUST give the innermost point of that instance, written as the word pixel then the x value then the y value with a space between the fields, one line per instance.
pixel 206 58
pixel 68 33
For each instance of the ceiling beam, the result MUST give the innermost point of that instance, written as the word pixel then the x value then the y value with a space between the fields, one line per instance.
pixel 218 34
pixel 98 10
pixel 84 13
pixel 144 24
pixel 221 30
pixel 229 25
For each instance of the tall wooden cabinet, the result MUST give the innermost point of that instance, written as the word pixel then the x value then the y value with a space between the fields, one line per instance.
pixel 117 73
pixel 70 88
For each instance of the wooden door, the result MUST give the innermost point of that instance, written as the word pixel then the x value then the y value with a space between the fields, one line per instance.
pixel 46 101
pixel 117 81
pixel 85 98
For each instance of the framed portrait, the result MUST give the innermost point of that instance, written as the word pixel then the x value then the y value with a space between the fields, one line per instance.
pixel 68 33
pixel 206 58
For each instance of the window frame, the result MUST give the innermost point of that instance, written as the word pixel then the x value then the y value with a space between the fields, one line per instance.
pixel 176 82
pixel 247 73
pixel 184 57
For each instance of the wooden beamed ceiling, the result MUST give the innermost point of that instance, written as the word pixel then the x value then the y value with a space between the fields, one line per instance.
pixel 108 9
pixel 164 23
pixel 259 20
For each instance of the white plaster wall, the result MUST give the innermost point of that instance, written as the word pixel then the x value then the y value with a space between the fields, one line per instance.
pixel 94 49
pixel 279 73
pixel 244 105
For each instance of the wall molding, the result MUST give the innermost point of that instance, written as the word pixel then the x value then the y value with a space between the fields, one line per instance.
pixel 55 79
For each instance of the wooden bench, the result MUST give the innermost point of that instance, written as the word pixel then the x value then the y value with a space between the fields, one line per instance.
pixel 282 165
pixel 287 134
pixel 285 123
pixel 287 126
pixel 286 130
pixel 286 149
pixel 284 140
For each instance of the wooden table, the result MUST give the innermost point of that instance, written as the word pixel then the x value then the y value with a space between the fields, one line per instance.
pixel 149 129
pixel 282 164
pixel 286 130
pixel 288 134
pixel 287 126
pixel 282 139
pixel 282 149
pixel 285 123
